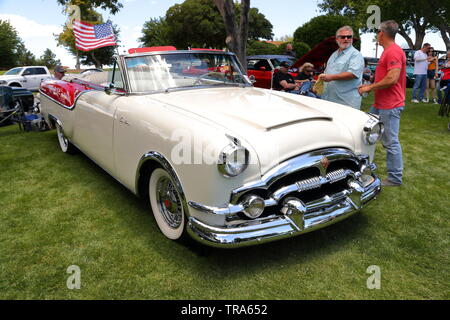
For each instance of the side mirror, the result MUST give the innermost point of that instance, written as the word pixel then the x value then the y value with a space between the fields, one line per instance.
pixel 109 90
pixel 252 78
pixel 26 73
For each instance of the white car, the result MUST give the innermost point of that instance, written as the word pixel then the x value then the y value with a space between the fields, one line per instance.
pixel 25 77
pixel 225 162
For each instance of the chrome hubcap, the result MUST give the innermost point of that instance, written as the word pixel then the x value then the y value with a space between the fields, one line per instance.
pixel 169 202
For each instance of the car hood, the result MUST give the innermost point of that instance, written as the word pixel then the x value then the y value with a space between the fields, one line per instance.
pixel 276 125
pixel 258 109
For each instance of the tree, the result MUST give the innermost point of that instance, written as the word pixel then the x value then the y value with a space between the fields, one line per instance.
pixel 48 59
pixel 417 15
pixel 155 33
pixel 112 5
pixel 198 23
pixel 195 23
pixel 237 32
pixel 24 56
pixel 258 26
pixel 322 27
pixel 10 45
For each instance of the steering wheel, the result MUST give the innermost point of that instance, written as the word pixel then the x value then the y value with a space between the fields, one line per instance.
pixel 199 79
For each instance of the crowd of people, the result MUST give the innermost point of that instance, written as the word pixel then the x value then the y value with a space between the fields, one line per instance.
pixel 348 79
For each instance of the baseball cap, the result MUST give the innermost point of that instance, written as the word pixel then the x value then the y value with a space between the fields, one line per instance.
pixel 60 69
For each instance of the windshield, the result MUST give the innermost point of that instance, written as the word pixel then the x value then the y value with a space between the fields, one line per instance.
pixel 180 70
pixel 13 72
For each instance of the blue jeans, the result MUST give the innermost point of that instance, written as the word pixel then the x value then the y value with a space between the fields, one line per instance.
pixel 394 158
pixel 420 83
pixel 305 90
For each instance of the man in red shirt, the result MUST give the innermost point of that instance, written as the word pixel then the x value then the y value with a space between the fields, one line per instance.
pixel 390 92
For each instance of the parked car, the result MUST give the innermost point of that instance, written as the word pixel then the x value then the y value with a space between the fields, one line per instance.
pixel 262 68
pixel 25 77
pixel 225 162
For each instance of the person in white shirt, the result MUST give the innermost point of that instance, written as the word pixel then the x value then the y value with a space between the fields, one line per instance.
pixel 421 62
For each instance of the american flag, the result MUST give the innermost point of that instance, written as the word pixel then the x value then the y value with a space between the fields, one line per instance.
pixel 92 36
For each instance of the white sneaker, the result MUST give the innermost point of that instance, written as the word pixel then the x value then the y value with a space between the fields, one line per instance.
pixel 435 101
pixel 443 89
pixel 415 100
pixel 425 100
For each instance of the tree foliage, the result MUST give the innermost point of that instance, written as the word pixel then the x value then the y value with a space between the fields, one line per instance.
pixel 322 27
pixel 155 33
pixel 112 5
pixel 195 23
pixel 417 15
pixel 10 45
pixel 258 47
pixel 48 59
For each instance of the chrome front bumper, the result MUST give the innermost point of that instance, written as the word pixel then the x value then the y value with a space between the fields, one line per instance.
pixel 317 215
pixel 345 181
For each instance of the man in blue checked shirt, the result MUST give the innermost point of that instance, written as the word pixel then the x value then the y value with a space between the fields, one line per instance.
pixel 343 74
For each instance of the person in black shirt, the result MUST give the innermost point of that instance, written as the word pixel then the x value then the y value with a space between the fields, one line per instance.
pixel 283 81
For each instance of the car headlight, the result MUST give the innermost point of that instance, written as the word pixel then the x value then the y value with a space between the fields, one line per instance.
pixel 233 159
pixel 373 130
pixel 2 82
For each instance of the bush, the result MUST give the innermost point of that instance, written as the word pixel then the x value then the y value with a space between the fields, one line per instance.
pixel 258 47
pixel 319 28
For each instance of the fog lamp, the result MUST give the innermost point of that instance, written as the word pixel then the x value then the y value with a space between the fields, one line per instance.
pixel 253 206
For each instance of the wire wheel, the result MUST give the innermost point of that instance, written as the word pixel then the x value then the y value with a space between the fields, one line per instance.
pixel 166 204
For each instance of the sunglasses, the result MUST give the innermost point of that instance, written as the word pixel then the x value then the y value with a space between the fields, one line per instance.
pixel 345 37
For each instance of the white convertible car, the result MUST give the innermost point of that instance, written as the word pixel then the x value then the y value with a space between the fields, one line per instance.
pixel 229 164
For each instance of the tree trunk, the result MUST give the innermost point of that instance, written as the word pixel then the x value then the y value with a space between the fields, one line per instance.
pixel 408 39
pixel 445 33
pixel 236 35
pixel 77 64
pixel 96 61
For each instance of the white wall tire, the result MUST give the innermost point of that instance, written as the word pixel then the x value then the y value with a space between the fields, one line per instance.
pixel 167 204
pixel 64 143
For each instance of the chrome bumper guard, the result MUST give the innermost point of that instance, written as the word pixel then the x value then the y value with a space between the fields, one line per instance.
pixel 296 219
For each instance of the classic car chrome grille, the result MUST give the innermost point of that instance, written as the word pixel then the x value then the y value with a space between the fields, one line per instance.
pixel 317 182
pixel 317 187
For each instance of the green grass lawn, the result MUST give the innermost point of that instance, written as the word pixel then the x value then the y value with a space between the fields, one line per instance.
pixel 58 210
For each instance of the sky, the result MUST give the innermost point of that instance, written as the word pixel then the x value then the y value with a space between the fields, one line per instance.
pixel 36 22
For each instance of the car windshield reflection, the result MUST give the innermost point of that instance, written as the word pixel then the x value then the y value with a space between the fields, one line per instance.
pixel 182 70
